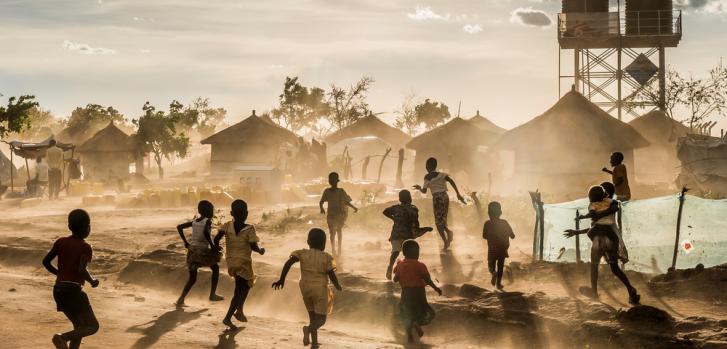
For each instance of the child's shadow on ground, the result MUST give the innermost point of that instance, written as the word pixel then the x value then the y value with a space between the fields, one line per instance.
pixel 452 270
pixel 227 339
pixel 165 323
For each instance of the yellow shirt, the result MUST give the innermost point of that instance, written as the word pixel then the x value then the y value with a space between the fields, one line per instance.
pixel 238 250
pixel 314 266
pixel 54 156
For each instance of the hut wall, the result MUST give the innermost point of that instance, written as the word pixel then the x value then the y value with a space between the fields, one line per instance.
pixel 225 157
pixel 100 166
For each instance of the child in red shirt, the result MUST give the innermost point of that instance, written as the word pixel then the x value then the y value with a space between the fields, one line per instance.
pixel 74 254
pixel 413 276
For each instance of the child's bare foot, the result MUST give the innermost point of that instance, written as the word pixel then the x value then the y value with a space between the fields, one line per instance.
pixel 446 245
pixel 315 346
pixel 306 336
pixel 499 287
pixel 59 342
pixel 388 273
pixel 419 330
pixel 216 298
pixel 634 297
pixel 240 316
pixel 229 324
pixel 493 281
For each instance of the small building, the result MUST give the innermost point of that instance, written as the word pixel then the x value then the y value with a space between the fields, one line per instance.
pixel 107 154
pixel 371 126
pixel 252 141
pixel 658 163
pixel 563 150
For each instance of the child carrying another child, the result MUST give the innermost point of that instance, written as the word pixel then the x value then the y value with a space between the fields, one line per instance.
pixel 413 276
pixel 241 240
pixel 338 204
pixel 406 226
pixel 605 242
pixel 316 268
pixel 615 207
pixel 74 254
pixel 498 233
pixel 201 251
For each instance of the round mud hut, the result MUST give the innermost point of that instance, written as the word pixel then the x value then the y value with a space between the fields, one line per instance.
pixel 107 154
pixel 658 163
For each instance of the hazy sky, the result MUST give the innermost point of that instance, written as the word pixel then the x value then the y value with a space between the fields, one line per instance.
pixel 498 56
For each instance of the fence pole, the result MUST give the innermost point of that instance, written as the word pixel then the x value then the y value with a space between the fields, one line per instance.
pixel 679 224
pixel 542 225
pixel 578 237
pixel 536 208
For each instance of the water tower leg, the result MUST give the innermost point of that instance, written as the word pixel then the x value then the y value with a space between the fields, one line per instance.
pixel 577 69
pixel 662 79
pixel 619 101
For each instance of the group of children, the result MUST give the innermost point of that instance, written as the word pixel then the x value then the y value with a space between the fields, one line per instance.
pixel 318 267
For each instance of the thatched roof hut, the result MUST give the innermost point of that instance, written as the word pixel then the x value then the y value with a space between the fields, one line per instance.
pixel 569 144
pixel 485 124
pixel 371 126
pixel 254 140
pixel 107 154
pixel 658 163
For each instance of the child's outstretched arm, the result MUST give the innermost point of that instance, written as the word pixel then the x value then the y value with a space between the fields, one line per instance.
pixel 254 246
pixel 454 186
pixel 349 204
pixel 218 237
pixel 572 232
pixel 320 204
pixel 389 212
pixel 334 279
pixel 607 171
pixel 180 230
pixel 208 233
pixel 286 268
pixel 613 208
pixel 420 188
pixel 428 281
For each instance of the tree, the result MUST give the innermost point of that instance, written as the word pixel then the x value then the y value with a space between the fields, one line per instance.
pixel 92 118
pixel 673 93
pixel 431 114
pixel 187 117
pixel 348 105
pixel 42 124
pixel 16 117
pixel 705 97
pixel 299 106
pixel 407 116
pixel 157 134
pixel 208 117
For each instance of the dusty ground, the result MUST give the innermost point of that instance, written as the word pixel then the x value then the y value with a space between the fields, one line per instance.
pixel 139 259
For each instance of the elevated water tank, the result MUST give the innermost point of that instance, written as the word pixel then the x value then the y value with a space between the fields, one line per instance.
pixel 579 6
pixel 649 17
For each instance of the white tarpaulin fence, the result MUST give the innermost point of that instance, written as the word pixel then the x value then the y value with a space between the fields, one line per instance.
pixel 649 231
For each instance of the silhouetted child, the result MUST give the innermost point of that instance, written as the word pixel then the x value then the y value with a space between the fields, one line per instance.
pixel 498 233
pixel 201 251
pixel 74 254
pixel 413 276
pixel 437 183
pixel 604 244
pixel 338 204
pixel 405 227
pixel 615 207
pixel 619 177
pixel 241 240
pixel 316 268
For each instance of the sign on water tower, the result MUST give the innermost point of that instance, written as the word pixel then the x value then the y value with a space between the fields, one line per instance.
pixel 642 69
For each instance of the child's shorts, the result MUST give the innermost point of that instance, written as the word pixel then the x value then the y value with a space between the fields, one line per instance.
pixel 396 244
pixel 414 308
pixel 317 298
pixel 202 257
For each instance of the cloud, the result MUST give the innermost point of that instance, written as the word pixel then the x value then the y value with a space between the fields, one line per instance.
pixel 145 50
pixel 87 50
pixel 425 13
pixel 531 17
pixel 707 6
pixel 472 28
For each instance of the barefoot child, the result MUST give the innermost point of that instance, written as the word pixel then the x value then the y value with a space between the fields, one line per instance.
pixel 74 254
pixel 615 207
pixel 316 268
pixel 406 226
pixel 413 276
pixel 604 244
pixel 619 177
pixel 437 183
pixel 338 204
pixel 201 251
pixel 498 233
pixel 240 240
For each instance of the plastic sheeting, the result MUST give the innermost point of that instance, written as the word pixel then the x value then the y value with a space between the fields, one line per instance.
pixel 649 232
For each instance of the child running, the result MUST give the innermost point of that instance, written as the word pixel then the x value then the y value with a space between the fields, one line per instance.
pixel 437 183
pixel 316 268
pixel 615 207
pixel 413 276
pixel 619 177
pixel 406 226
pixel 498 233
pixel 338 204
pixel 604 244
pixel 201 251
pixel 241 240
pixel 74 255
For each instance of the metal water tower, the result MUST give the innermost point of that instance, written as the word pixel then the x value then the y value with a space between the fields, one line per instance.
pixel 613 49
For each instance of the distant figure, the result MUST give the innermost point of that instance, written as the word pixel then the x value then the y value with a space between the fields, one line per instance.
pixel 619 177
pixel 338 204
pixel 74 254
pixel 498 233
pixel 241 240
pixel 54 156
pixel 405 227
pixel 41 177
pixel 604 243
pixel 615 207
pixel 437 183
pixel 201 251
pixel 413 276
pixel 316 268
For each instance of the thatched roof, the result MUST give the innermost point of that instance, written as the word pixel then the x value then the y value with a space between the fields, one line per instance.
pixel 457 133
pixel 485 124
pixel 370 126
pixel 109 139
pixel 658 128
pixel 254 129
pixel 572 124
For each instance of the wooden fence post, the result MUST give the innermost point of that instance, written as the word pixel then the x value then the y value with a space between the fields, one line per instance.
pixel 679 225
pixel 399 168
pixel 578 239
